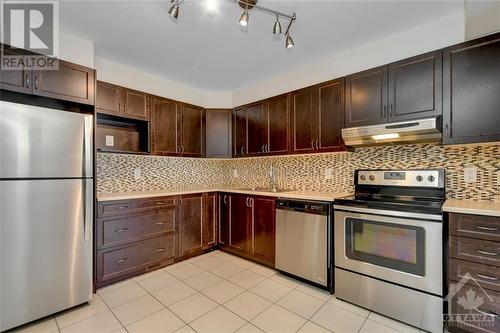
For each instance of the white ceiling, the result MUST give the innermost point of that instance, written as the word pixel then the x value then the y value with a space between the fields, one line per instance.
pixel 212 53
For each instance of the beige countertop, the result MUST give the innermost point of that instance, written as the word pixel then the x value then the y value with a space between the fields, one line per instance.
pixel 306 195
pixel 490 208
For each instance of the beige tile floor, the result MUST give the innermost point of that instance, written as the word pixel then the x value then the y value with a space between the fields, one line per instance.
pixel 216 292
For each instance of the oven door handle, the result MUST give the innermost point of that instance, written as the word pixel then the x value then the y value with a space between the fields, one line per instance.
pixel 373 211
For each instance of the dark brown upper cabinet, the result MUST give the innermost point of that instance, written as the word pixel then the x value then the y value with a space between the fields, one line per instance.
pixel 405 90
pixel 317 118
pixel 472 91
pixel 177 128
pixel 239 132
pixel 416 87
pixel 218 132
pixel 255 128
pixel 192 130
pixel 70 82
pixel 276 125
pixel 119 101
pixel 366 97
pixel 16 80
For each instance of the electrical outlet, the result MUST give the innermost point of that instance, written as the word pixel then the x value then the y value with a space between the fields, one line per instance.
pixel 328 173
pixel 235 173
pixel 137 173
pixel 470 174
pixel 110 141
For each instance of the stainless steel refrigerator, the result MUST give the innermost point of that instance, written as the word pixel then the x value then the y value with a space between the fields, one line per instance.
pixel 46 212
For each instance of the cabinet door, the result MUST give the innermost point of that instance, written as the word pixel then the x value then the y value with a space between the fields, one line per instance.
pixel 15 80
pixel 224 218
pixel 240 223
pixel 416 87
pixel 471 91
pixel 331 116
pixel 108 98
pixel 218 132
pixel 304 119
pixel 209 218
pixel 264 229
pixel 135 104
pixel 277 129
pixel 190 208
pixel 70 82
pixel 164 126
pixel 239 132
pixel 192 131
pixel 366 97
pixel 256 128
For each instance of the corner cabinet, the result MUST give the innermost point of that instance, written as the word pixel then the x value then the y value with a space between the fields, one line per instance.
pixel 247 226
pixel 177 128
pixel 405 90
pixel 218 133
pixel 471 91
pixel 317 118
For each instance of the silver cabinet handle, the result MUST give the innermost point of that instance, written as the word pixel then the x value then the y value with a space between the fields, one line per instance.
pixel 390 110
pixel 312 143
pixel 267 147
pixel 487 253
pixel 161 249
pixel 121 260
pixel 121 229
pixel 480 227
pixel 263 149
pixel 224 199
pixel 27 81
pixel 317 144
pixel 248 204
pixel 242 150
pixel 251 202
pixel 446 132
pixel 160 203
pixel 161 223
pixel 384 112
pixel 36 82
pixel 121 207
pixel 487 277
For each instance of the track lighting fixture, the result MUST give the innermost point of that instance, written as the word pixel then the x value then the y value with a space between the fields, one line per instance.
pixel 277 25
pixel 248 5
pixel 244 18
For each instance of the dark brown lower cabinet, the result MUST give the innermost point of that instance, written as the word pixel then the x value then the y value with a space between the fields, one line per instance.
pixel 139 235
pixel 247 227
pixel 473 273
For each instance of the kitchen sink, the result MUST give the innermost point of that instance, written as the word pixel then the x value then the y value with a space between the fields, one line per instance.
pixel 265 189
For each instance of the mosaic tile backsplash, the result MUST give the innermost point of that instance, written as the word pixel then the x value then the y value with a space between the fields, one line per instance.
pixel 322 172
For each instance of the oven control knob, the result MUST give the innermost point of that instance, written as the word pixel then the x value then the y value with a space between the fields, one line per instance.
pixel 372 177
pixel 419 178
pixel 431 178
pixel 363 177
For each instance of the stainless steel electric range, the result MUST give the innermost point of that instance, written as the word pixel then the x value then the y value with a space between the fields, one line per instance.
pixel 389 245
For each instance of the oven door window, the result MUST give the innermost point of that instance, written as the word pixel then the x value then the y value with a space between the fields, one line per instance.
pixel 394 246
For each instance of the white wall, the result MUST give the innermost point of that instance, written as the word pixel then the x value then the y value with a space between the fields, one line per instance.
pixel 123 75
pixel 75 49
pixel 431 36
pixel 481 17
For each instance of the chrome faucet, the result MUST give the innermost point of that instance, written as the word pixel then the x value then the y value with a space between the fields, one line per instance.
pixel 273 182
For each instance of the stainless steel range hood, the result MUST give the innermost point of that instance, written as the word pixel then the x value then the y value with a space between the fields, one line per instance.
pixel 422 130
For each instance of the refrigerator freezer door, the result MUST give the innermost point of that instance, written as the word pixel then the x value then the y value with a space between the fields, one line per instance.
pixel 46 261
pixel 38 142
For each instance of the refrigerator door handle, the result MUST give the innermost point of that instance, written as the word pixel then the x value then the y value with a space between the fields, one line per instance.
pixel 88 204
pixel 87 146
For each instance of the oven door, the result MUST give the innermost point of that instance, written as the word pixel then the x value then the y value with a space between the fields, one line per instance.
pixel 406 251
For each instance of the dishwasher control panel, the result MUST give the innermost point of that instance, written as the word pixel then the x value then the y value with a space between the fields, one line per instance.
pixel 309 207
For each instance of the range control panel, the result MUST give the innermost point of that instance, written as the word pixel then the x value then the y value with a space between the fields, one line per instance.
pixel 407 178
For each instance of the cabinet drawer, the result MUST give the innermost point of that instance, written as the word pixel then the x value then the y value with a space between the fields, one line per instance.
pixel 475 250
pixel 117 262
pixel 109 208
pixel 128 228
pixel 490 305
pixel 475 226
pixel 487 276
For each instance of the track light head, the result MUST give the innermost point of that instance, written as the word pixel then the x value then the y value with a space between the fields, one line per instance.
pixel 174 10
pixel 289 42
pixel 244 18
pixel 277 26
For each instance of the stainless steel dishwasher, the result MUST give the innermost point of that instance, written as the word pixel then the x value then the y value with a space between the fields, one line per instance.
pixel 304 241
